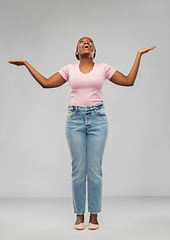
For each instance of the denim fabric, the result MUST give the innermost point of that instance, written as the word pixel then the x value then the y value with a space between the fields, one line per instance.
pixel 86 132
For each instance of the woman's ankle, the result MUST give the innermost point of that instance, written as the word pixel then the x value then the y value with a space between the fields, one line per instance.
pixel 93 218
pixel 80 219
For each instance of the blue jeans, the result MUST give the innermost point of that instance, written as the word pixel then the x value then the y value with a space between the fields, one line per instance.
pixel 86 132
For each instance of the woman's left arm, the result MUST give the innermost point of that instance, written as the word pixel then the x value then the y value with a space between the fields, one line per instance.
pixel 120 79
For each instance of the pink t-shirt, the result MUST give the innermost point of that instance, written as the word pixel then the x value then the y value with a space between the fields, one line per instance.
pixel 86 89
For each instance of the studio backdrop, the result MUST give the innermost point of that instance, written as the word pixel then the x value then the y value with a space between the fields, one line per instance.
pixel 34 156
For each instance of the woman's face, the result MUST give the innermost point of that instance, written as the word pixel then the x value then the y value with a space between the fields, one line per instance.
pixel 86 47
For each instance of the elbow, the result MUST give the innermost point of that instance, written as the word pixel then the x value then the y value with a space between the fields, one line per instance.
pixel 130 81
pixel 44 84
pixel 131 84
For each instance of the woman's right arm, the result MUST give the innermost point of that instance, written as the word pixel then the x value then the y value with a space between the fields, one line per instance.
pixel 55 80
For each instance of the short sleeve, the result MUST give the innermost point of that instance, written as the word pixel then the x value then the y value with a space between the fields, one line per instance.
pixel 109 71
pixel 65 72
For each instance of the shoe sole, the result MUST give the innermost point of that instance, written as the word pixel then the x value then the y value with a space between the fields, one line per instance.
pixel 79 226
pixel 92 226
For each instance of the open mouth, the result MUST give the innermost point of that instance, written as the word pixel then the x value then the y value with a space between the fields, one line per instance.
pixel 86 46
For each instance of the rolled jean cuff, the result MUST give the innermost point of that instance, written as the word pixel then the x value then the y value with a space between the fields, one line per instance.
pixel 95 212
pixel 79 213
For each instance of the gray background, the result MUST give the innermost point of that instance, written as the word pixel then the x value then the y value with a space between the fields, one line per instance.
pixel 34 156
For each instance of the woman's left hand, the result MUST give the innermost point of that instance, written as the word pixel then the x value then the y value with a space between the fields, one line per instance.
pixel 145 50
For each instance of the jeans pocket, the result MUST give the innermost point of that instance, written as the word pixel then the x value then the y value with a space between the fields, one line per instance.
pixel 70 113
pixel 100 111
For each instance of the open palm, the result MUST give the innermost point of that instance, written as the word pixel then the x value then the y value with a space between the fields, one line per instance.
pixel 17 62
pixel 145 50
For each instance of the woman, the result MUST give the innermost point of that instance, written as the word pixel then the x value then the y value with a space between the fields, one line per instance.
pixel 86 125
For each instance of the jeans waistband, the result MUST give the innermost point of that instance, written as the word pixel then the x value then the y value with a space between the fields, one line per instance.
pixel 85 108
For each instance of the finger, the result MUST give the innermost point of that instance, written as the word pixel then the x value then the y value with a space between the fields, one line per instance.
pixel 14 62
pixel 152 48
pixel 11 62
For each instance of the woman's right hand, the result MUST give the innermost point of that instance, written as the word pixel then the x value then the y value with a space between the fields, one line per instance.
pixel 55 80
pixel 18 62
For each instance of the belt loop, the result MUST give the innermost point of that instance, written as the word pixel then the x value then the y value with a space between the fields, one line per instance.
pixel 94 108
pixel 76 109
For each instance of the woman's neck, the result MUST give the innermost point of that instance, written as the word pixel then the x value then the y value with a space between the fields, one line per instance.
pixel 86 62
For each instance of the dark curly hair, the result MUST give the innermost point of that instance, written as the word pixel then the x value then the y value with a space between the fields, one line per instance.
pixel 77 55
